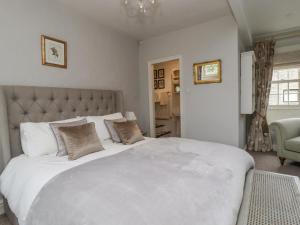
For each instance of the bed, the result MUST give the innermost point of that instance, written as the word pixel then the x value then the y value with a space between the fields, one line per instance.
pixel 155 181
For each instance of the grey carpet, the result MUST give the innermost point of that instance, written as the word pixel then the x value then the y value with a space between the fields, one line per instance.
pixel 264 161
pixel 269 161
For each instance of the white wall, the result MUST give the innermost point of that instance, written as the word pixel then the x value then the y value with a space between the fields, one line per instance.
pixel 242 118
pixel 97 56
pixel 278 114
pixel 211 111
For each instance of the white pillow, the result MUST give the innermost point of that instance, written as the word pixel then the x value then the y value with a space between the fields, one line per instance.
pixel 101 128
pixel 37 139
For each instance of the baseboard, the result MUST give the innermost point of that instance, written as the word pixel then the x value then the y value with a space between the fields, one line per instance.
pixel 1 207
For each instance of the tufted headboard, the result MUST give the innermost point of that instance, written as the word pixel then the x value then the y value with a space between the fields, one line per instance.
pixel 45 104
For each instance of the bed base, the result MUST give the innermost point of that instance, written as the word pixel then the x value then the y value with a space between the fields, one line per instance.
pixel 269 198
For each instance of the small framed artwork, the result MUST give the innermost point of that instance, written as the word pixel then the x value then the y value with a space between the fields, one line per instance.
pixel 156 84
pixel 54 52
pixel 161 74
pixel 155 74
pixel 208 72
pixel 161 84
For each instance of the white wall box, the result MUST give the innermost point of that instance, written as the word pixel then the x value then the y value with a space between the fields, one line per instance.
pixel 247 82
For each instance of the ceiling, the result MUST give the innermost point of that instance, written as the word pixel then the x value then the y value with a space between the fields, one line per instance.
pixel 171 15
pixel 271 16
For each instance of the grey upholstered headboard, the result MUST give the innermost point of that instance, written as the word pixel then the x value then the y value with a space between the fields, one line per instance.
pixel 44 104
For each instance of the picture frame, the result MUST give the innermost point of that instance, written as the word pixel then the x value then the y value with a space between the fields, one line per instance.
pixel 208 72
pixel 161 84
pixel 156 84
pixel 161 73
pixel 54 52
pixel 155 74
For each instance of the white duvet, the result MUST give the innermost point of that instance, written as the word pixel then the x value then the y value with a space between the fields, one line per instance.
pixel 24 177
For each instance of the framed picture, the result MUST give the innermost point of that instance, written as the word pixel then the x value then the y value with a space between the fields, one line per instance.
pixel 155 74
pixel 156 84
pixel 54 52
pixel 208 72
pixel 161 84
pixel 161 73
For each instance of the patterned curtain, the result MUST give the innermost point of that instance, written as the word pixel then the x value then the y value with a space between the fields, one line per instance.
pixel 259 138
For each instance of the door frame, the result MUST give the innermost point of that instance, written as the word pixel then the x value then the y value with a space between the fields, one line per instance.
pixel 151 91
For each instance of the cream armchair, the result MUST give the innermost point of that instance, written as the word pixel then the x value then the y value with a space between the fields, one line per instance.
pixel 286 139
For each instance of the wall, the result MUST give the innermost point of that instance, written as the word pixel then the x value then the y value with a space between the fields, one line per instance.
pixel 242 118
pixel 169 67
pixel 97 56
pixel 209 112
pixel 278 114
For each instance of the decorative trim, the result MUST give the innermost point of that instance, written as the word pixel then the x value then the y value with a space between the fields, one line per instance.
pixel 280 35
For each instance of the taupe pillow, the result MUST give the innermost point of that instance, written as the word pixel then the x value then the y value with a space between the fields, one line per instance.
pixel 80 140
pixel 129 132
pixel 112 131
pixel 60 143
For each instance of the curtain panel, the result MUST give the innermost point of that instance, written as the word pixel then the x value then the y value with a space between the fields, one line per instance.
pixel 259 138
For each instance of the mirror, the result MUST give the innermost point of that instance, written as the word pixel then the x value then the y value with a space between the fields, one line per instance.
pixel 208 72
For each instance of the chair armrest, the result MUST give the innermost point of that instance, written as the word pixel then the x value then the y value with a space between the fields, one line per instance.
pixel 283 130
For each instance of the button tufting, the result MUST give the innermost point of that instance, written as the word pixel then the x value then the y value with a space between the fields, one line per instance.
pixel 15 127
pixel 74 110
pixel 34 99
pixel 44 112
pixel 86 109
pixel 25 112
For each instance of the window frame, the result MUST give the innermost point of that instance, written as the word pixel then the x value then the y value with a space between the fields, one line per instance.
pixel 287 107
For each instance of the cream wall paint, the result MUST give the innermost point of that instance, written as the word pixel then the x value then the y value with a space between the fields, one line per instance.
pixel 97 56
pixel 278 114
pixel 209 112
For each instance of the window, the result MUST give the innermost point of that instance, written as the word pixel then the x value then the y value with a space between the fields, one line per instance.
pixel 285 87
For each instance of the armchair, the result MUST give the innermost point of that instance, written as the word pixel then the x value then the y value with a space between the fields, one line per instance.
pixel 286 139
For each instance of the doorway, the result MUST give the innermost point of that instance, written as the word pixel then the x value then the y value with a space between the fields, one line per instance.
pixel 165 76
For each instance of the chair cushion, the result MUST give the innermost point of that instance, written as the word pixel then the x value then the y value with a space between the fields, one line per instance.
pixel 293 144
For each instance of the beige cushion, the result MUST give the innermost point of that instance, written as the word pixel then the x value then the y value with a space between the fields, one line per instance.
pixel 80 140
pixel 112 131
pixel 129 132
pixel 60 143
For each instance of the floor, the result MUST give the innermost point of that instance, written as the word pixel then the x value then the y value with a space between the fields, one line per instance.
pixel 4 221
pixel 264 161
pixel 269 161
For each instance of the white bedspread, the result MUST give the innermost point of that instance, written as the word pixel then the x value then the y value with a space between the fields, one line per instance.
pixel 24 177
pixel 222 170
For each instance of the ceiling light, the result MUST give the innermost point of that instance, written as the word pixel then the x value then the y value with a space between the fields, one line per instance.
pixel 140 7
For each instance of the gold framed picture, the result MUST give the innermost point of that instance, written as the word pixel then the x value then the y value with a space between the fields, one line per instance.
pixel 208 72
pixel 54 52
